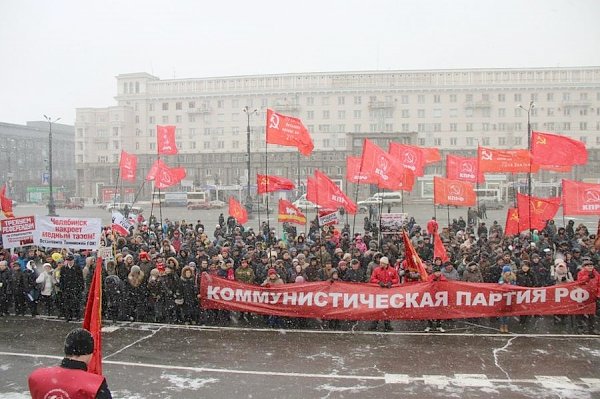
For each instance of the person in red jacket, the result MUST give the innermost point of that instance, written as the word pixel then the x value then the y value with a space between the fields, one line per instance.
pixel 70 379
pixel 432 227
pixel 386 277
pixel 435 276
pixel 587 273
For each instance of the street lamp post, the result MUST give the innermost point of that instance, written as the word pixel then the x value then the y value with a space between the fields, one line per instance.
pixel 248 112
pixel 528 110
pixel 51 204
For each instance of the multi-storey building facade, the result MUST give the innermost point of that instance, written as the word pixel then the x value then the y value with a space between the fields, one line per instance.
pixel 24 160
pixel 454 110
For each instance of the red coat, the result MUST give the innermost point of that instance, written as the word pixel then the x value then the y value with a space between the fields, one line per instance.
pixel 385 275
pixel 432 227
pixel 433 277
pixel 56 381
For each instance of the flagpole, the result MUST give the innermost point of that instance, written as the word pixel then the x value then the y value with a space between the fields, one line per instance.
pixel 476 181
pixel 448 214
pixel 267 190
pixel 380 211
pixel 162 232
pixel 528 110
pixel 116 186
pixel 357 187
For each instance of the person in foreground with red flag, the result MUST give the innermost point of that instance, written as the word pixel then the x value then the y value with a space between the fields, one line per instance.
pixel 71 378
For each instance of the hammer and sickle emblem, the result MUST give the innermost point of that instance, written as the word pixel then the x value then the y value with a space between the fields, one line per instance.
pixel 274 122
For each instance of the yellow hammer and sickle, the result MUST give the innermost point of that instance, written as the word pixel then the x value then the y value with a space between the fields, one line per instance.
pixel 541 140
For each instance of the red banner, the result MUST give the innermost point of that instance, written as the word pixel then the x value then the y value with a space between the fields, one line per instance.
pixel 237 211
pixel 553 149
pixel 381 167
pixel 580 198
pixel 165 138
pixel 413 261
pixel 411 157
pixel 534 212
pixel 289 213
pixel 6 203
pixel 288 131
pixel 512 222
pixel 465 169
pixel 322 191
pixel 431 155
pixel 453 192
pixel 418 301
pixel 128 166
pixel 270 183
pixel 353 170
pixel 512 161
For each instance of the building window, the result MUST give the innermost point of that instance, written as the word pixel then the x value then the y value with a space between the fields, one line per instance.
pixel 235 144
pixel 421 127
pixel 583 96
pixel 567 126
pixel 501 112
pixel 178 106
pixel 152 146
pixel 518 112
pixel 469 112
pixel 341 100
pixel 191 118
pixel 357 114
pixel 421 141
pixel 518 140
pixel 404 99
pixel 150 107
pixel 165 106
pixel 501 140
pixel 389 127
pixel 501 98
pixel 436 98
pixel 206 145
pixel 485 127
pixel 325 143
pixel 583 139
pixel 550 111
pixel 357 100
pixel 421 99
pixel 453 98
pixel 469 98
pixel 178 118
pixel 437 141
pixel 191 132
pixel 357 128
pixel 469 127
pixel 341 114
pixel 470 141
pixel 151 120
pixel 191 105
pixel 453 140
pixel 310 101
pixel 550 97
pixel 373 127
pixel 220 103
pixel 421 113
pixel 566 96
pixel 326 114
pixel 517 97
pixel 235 130
pixel 405 113
pixel 405 127
pixel 324 128
pixel 453 112
pixel 165 119
pixel 485 141
pixel 453 127
pixel 437 127
pixel 582 125
pixel 437 112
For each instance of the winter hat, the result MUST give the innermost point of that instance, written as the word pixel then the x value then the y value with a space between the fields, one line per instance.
pixel 272 271
pixel 128 256
pixel 558 262
pixel 436 268
pixel 342 263
pixel 299 279
pixel 79 342
pixel 384 260
pixel 135 269
pixel 506 269
pixel 160 267
pixel 144 256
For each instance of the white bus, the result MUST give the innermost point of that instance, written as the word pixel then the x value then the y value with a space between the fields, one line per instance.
pixel 196 197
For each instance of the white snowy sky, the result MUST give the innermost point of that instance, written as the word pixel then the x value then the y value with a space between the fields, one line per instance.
pixel 59 55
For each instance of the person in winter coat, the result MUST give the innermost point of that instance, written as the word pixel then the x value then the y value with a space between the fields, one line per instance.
pixel 273 279
pixel 5 288
pixel 189 292
pixel 472 274
pixel 450 272
pixel 47 283
pixel 587 273
pixel 136 294
pixel 114 293
pixel 355 274
pixel 525 278
pixel 244 273
pixel 508 277
pixel 71 285
pixel 386 277
pixel 434 277
pixel 18 289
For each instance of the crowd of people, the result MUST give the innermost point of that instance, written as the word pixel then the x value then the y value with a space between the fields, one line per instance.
pixel 155 273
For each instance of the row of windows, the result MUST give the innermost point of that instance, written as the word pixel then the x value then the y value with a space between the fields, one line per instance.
pixel 388 99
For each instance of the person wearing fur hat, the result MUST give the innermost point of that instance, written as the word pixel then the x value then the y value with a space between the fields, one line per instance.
pixel 70 379
pixel 472 274
pixel 136 294
pixel 508 277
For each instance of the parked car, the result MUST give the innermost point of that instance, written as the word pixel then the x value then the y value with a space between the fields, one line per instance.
pixel 199 205
pixel 217 204
pixel 363 206
pixel 302 203
pixel 74 205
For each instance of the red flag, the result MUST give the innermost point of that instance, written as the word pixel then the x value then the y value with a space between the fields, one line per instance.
pixel 382 168
pixel 6 204
pixel 165 137
pixel 439 251
pixel 269 183
pixel 512 222
pixel 353 170
pixel 311 189
pixel 597 240
pixel 165 176
pixel 535 211
pixel 238 211
pixel 413 261
pixel 92 319
pixel 288 212
pixel 580 198
pixel 553 149
pixel 465 169
pixel 288 131
pixel 431 155
pixel 453 192
pixel 554 168
pixel 128 166
pixel 329 195
pixel 411 157
pixel 512 161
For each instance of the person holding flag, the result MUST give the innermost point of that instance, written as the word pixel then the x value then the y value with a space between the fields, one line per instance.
pixel 71 378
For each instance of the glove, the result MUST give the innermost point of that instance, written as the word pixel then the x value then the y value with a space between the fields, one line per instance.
pixel 389 284
pixel 381 284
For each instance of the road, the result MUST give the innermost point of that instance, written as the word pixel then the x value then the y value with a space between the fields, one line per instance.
pixel 161 361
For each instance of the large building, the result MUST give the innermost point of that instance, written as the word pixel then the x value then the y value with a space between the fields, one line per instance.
pixel 24 160
pixel 454 110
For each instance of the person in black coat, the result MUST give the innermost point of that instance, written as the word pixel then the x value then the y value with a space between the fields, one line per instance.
pixel 355 274
pixel 18 289
pixel 526 278
pixel 5 288
pixel 71 285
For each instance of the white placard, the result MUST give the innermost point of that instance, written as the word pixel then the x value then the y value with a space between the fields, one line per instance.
pixel 65 232
pixel 17 232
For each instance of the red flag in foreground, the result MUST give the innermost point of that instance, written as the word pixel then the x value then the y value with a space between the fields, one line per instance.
pixel 288 131
pixel 165 138
pixel 238 211
pixel 580 198
pixel 512 222
pixel 289 213
pixel 410 157
pixel 165 176
pixel 465 169
pixel 512 161
pixel 439 251
pixel 92 319
pixel 453 192
pixel 322 191
pixel 553 149
pixel 270 183
pixel 419 301
pixel 6 203
pixel 128 166
pixel 353 170
pixel 534 212
pixel 413 261
pixel 381 167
